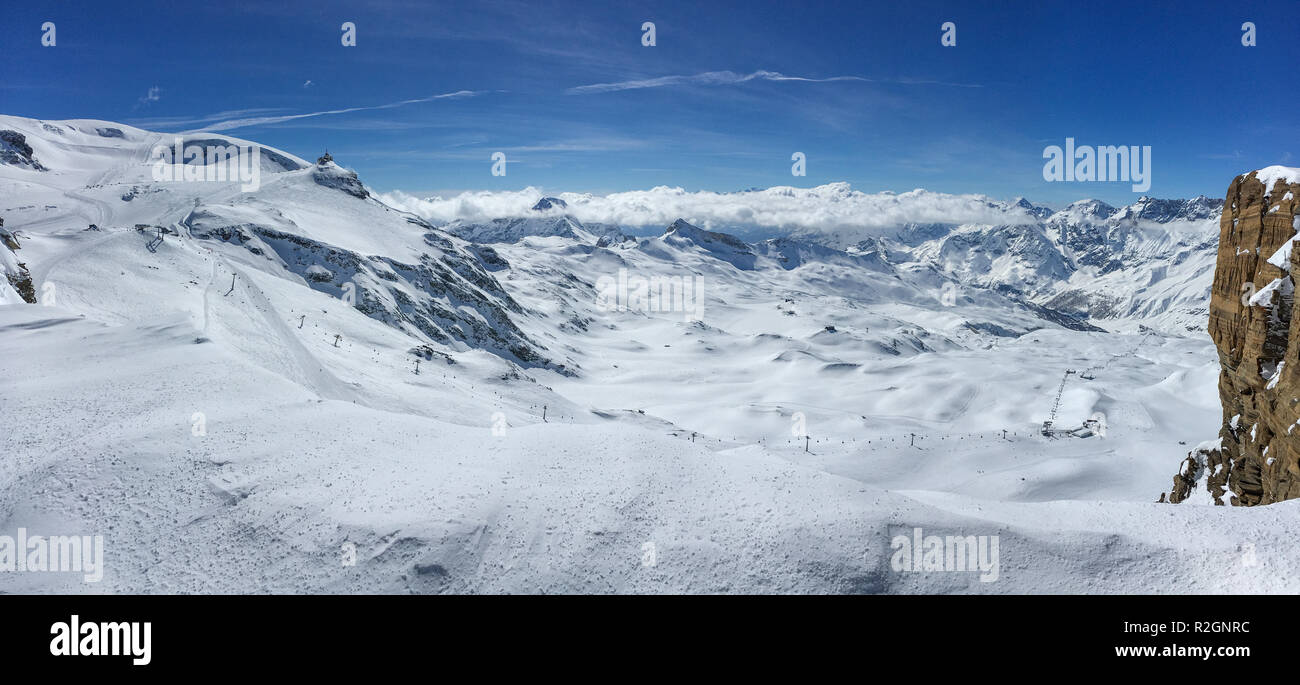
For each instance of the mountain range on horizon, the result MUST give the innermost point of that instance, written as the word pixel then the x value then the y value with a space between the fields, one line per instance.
pixel 1150 260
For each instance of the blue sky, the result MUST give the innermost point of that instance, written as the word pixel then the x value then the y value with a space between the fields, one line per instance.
pixel 885 106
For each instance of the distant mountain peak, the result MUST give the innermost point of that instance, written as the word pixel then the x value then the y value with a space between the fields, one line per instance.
pixel 685 230
pixel 549 203
pixel 1093 207
pixel 1164 211
pixel 1031 208
pixel 724 246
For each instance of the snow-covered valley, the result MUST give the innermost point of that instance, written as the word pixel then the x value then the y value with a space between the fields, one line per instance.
pixel 303 388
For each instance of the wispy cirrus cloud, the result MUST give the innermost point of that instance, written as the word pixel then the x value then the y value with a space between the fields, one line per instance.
pixel 236 119
pixel 154 95
pixel 158 123
pixel 1234 155
pixel 231 124
pixel 478 149
pixel 245 118
pixel 728 78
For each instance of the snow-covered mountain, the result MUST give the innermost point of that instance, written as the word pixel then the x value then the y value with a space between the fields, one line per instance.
pixel 1147 264
pixel 240 386
pixel 1150 262
pixel 312 224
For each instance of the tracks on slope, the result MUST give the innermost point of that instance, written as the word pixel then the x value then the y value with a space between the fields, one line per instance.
pixel 308 370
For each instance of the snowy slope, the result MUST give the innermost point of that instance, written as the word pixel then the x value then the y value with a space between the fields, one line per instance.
pixel 216 407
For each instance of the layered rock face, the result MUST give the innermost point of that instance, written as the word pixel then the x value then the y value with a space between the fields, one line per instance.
pixel 1254 325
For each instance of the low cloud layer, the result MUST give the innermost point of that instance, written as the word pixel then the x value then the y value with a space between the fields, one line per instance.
pixel 831 207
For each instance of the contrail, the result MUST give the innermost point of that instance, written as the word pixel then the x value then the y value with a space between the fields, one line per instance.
pixel 725 78
pixel 258 121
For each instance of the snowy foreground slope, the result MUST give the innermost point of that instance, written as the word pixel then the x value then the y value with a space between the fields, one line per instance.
pixel 214 408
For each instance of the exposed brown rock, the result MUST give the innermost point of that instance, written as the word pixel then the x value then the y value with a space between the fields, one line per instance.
pixel 1253 324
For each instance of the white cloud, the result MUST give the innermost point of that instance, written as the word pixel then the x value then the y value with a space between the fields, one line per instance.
pixel 154 95
pixel 834 207
pixel 726 78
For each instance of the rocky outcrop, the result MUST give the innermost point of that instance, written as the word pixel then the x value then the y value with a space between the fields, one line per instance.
pixel 1253 324
pixel 331 175
pixel 17 285
pixel 15 151
pixel 549 203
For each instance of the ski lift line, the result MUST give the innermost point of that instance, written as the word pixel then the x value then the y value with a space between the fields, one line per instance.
pixel 799 406
pixel 1059 391
pixel 1086 375
pixel 1131 353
